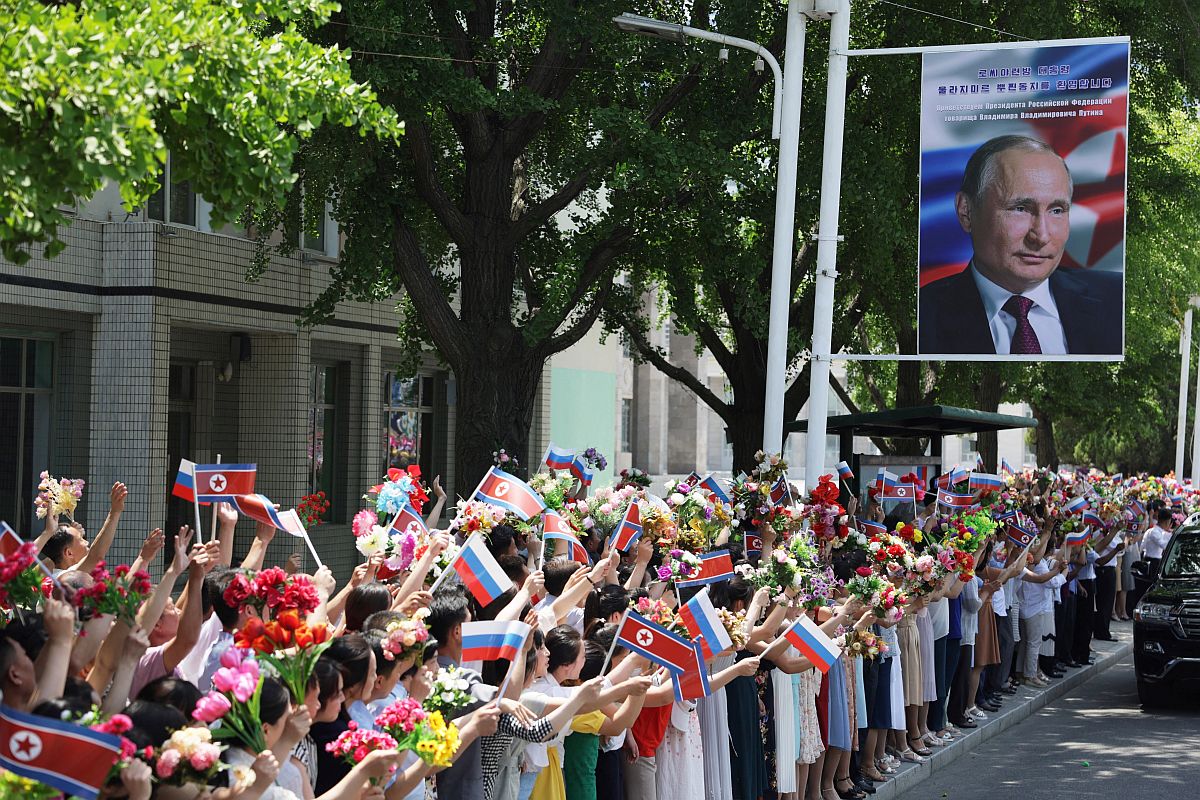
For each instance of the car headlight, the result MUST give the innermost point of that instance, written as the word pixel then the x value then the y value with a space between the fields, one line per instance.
pixel 1152 612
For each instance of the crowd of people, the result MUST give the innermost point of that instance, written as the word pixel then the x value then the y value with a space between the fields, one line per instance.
pixel 231 678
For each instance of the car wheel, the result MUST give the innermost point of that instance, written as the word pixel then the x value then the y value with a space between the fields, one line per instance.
pixel 1152 695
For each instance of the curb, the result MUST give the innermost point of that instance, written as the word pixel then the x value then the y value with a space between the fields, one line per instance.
pixel 1108 654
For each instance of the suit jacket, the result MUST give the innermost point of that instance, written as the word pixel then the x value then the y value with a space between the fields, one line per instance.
pixel 1090 307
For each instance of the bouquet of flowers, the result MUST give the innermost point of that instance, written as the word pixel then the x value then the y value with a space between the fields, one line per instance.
pixel 633 476
pixel 426 734
pixel 400 487
pixel 889 553
pixel 354 744
pixel 189 756
pixel 679 566
pixel 554 489
pixel 502 459
pixel 14 787
pixel 475 515
pixel 406 638
pixel 864 643
pixel 817 586
pixel 288 644
pixel 658 612
pixel 312 507
pixel 58 496
pixel 233 702
pixel 272 591
pixel 20 578
pixel 735 625
pixel 449 692
pixel 605 509
pixel 441 563
pixel 823 510
pixel 885 601
pixel 119 593
pixel 699 516
pixel 595 459
pixel 925 575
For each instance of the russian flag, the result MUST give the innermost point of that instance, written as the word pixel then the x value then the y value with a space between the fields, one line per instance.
pixel 884 479
pixel 555 528
pixel 813 643
pixel 754 544
pixel 870 527
pixel 714 567
pixel 952 500
pixel 711 484
pixel 71 758
pixel 1017 534
pixel 844 472
pixel 692 684
pixel 656 643
pixel 222 483
pixel 630 529
pixel 1076 505
pixel 581 470
pixel 510 493
pixel 185 481
pixel 260 509
pixel 986 481
pixel 1078 537
pixel 558 458
pixel 703 622
pixel 1090 517
pixel 979 465
pixel 781 492
pixel 408 521
pixel 491 641
pixel 955 475
pixel 1005 467
pixel 479 572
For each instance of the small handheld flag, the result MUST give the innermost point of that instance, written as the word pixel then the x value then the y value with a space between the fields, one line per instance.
pixel 986 481
pixel 1090 517
pixel 656 643
pixel 899 491
pixel 630 529
pixel 480 573
pixel 693 478
pixel 953 500
pixel 259 508
pixel 222 483
pixel 408 521
pixel 185 481
pixel 510 493
pixel 954 476
pixel 884 479
pixel 1005 467
pixel 869 527
pixel 71 758
pixel 692 684
pixel 754 544
pixel 781 492
pixel 1076 505
pixel 582 472
pixel 813 643
pixel 844 472
pixel 922 473
pixel 1138 508
pixel 490 641
pixel 556 529
pixel 10 541
pixel 703 622
pixel 711 484
pixel 559 458
pixel 979 465
pixel 1078 537
pixel 714 567
pixel 1017 534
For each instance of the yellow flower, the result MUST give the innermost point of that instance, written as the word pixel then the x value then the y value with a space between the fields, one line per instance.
pixel 918 537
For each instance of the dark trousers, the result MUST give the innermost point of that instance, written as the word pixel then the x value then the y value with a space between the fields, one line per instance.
pixel 958 702
pixel 998 674
pixel 1064 626
pixel 945 650
pixel 1106 597
pixel 1085 612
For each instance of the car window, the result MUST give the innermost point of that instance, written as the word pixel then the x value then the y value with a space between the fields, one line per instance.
pixel 1183 558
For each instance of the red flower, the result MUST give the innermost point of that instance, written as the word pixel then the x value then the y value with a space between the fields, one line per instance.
pixel 238 591
pixel 864 571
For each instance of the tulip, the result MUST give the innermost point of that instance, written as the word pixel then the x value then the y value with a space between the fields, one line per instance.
pixel 211 708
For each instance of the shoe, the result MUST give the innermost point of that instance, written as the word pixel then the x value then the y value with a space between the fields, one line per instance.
pixel 968 724
pixel 873 774
pixel 1009 690
pixel 987 707
pixel 1108 638
pixel 913 758
pixel 865 785
pixel 1054 674
pixel 1071 664
pixel 852 792
pixel 977 714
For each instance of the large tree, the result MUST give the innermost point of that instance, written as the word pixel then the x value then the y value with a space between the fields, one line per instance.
pixel 535 143
pixel 713 266
pixel 96 91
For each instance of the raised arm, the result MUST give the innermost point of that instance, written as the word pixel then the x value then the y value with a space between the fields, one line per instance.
pixel 108 532
pixel 52 663
pixel 263 534
pixel 190 620
pixel 436 512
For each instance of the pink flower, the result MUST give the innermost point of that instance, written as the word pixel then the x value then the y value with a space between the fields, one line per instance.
pixel 204 756
pixel 364 522
pixel 167 763
pixel 582 507
pixel 606 508
pixel 211 708
pixel 232 657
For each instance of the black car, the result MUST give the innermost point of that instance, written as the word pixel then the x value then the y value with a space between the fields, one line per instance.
pixel 1166 622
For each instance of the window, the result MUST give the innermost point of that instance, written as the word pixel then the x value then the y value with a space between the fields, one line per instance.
pixel 312 239
pixel 409 421
pixel 323 435
pixel 26 386
pixel 173 202
pixel 626 424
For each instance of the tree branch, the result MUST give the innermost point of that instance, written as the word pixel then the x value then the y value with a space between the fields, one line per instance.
pixel 444 326
pixel 428 187
pixel 558 343
pixel 594 267
pixel 676 373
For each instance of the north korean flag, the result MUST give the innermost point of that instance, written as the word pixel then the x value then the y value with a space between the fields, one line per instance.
pixel 71 758
pixel 781 492
pixel 222 483
pixel 953 500
pixel 630 529
pixel 869 527
pixel 1018 535
pixel 510 493
pixel 754 544
pixel 10 541
pixel 656 643
pixel 693 683
pixel 714 567
pixel 899 491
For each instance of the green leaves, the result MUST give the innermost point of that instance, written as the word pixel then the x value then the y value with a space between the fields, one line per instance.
pixel 97 91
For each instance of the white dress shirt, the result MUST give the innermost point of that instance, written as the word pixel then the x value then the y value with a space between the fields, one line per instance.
pixel 1043 315
pixel 1154 542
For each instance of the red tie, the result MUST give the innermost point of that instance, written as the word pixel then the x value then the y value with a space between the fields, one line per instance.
pixel 1024 340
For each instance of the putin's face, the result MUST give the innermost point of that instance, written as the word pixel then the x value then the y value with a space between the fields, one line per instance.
pixel 1020 225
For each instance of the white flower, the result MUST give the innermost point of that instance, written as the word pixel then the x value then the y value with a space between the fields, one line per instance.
pixel 374 542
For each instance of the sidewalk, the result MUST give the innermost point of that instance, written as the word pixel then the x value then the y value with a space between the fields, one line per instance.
pixel 1016 708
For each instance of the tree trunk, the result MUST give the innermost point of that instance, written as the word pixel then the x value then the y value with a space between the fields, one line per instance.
pixel 495 401
pixel 1047 450
pixel 745 433
pixel 987 397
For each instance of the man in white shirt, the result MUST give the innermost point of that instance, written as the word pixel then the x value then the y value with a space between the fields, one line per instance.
pixel 1155 541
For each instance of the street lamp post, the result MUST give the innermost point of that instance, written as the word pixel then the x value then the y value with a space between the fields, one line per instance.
pixel 1185 361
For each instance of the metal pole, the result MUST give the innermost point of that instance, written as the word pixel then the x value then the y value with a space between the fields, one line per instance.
pixel 1185 363
pixel 1195 438
pixel 827 241
pixel 785 228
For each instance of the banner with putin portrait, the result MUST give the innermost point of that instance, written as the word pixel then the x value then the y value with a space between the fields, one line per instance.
pixel 1022 230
